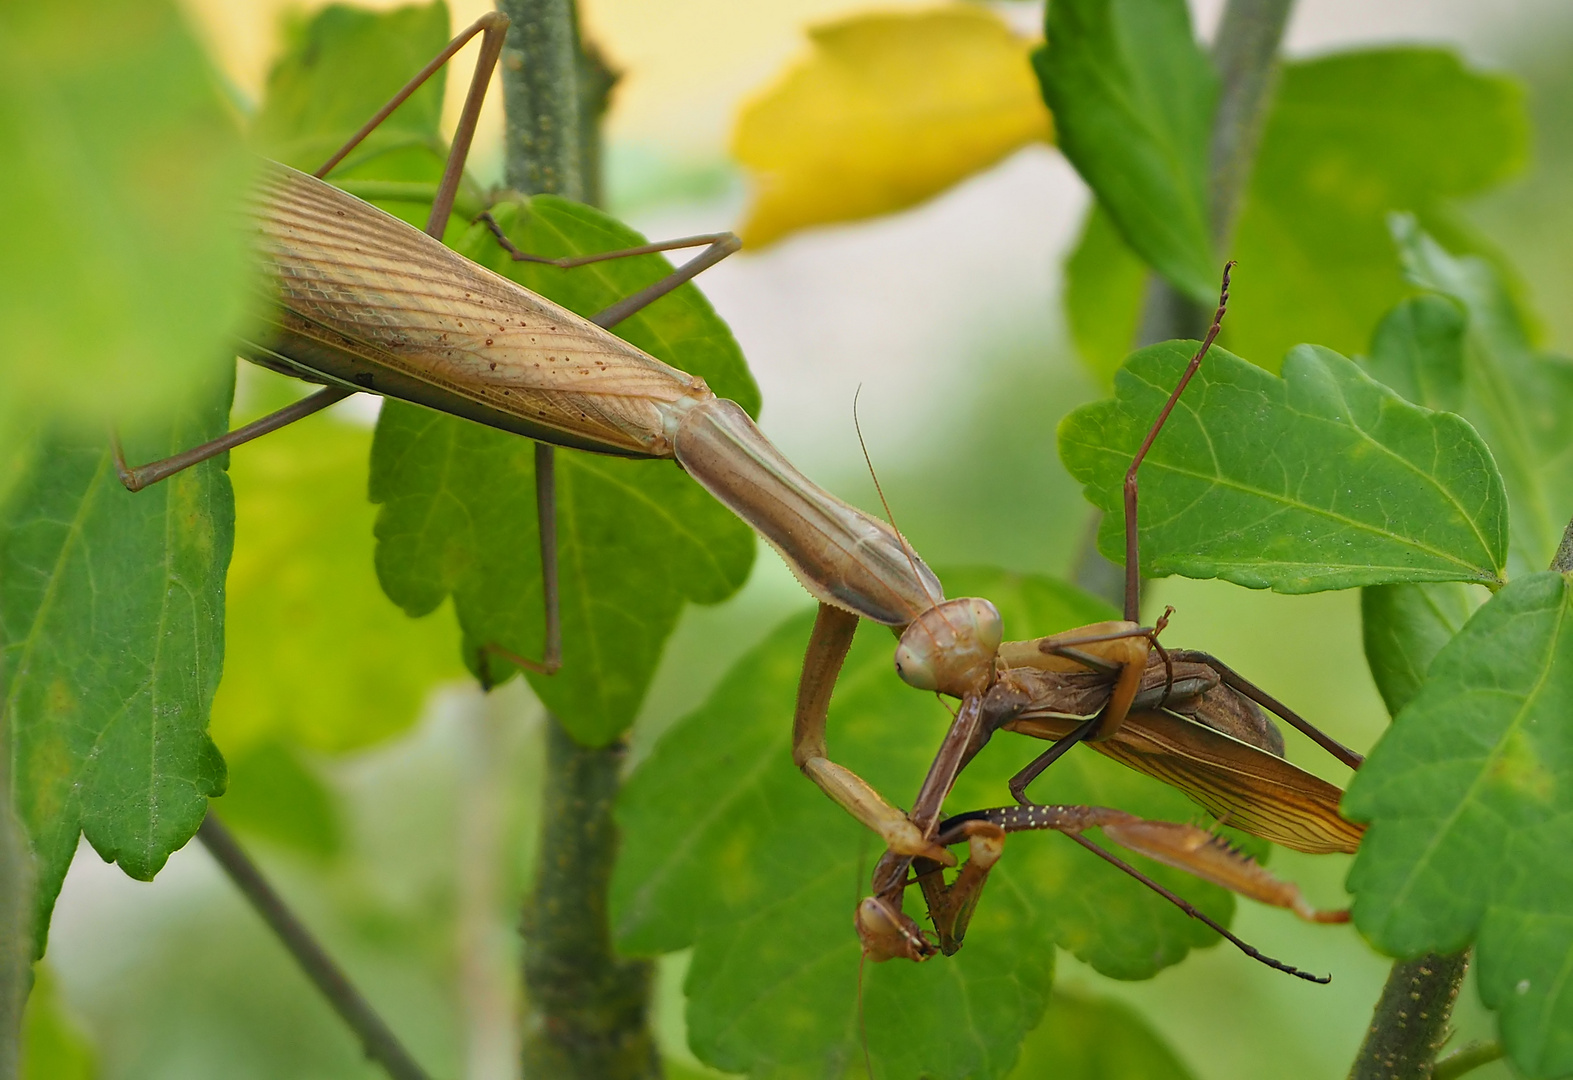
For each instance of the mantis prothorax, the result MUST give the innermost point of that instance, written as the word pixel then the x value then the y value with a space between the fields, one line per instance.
pixel 1181 716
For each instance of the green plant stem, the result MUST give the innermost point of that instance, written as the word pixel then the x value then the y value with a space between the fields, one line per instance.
pixel 1245 52
pixel 16 911
pixel 1467 1060
pixel 586 1009
pixel 1411 1019
pixel 541 95
pixel 586 1017
pixel 376 1038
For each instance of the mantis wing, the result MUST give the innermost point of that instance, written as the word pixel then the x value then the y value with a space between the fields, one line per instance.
pixel 1243 786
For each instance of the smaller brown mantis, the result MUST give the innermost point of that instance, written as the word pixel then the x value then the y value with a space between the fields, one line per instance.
pixel 1181 716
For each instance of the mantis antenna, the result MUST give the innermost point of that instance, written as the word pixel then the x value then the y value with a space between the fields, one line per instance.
pixel 889 516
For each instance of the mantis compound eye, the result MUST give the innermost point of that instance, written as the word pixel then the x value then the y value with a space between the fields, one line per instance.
pixel 950 648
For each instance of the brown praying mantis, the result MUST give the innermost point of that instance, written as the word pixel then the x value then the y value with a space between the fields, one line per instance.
pixel 366 303
pixel 1181 716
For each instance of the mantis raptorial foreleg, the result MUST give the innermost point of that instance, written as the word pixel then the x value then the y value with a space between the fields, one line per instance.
pixel 827 649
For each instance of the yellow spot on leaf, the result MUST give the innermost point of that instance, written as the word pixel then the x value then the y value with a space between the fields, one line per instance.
pixel 888 110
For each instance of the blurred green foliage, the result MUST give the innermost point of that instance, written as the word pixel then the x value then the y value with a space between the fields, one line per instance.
pixel 316 656
pixel 1350 138
pixel 54 1046
pixel 123 268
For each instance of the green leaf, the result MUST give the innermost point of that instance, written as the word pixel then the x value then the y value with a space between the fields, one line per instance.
pixel 124 270
pixel 1520 399
pixel 727 847
pixel 1468 796
pixel 337 69
pixel 306 609
pixel 1404 627
pixel 638 538
pixel 1096 1039
pixel 1418 350
pixel 112 622
pixel 1104 285
pixel 1351 137
pixel 1324 479
pixel 1133 97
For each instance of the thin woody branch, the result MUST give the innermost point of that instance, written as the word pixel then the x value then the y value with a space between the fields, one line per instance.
pixel 376 1038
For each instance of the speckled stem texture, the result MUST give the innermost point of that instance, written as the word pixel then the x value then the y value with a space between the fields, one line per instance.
pixel 1411 1019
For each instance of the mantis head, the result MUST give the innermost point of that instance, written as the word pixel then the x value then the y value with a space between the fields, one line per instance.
pixel 950 648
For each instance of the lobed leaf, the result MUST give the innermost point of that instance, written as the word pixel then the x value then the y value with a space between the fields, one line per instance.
pixel 888 110
pixel 1133 97
pixel 1349 138
pixel 638 538
pixel 1468 798
pixel 1323 479
pixel 729 849
pixel 112 628
pixel 124 272
pixel 1519 398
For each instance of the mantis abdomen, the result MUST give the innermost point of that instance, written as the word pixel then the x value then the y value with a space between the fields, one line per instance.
pixel 367 302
